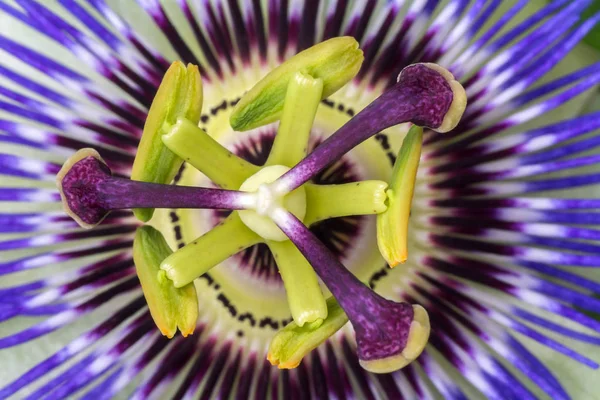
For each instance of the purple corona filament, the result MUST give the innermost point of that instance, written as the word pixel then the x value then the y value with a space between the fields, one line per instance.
pixel 90 192
pixel 493 226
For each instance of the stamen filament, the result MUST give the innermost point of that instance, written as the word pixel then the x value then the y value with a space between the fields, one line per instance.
pixel 333 201
pixel 424 95
pixel 302 99
pixel 305 299
pixel 204 153
pixel 392 225
pixel 210 249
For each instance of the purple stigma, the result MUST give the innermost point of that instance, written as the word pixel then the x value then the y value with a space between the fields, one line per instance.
pixel 384 329
pixel 422 96
pixel 79 189
pixel 90 192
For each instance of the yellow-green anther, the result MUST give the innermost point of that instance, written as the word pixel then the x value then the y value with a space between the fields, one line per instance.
pixel 179 96
pixel 215 246
pixel 302 99
pixel 335 61
pixel 392 225
pixel 207 155
pixel 170 307
pixel 293 342
pixel 356 198
pixel 304 295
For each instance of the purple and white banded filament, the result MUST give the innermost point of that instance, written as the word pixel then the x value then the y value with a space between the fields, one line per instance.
pixel 92 106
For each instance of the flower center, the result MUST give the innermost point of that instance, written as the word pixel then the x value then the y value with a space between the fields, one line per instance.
pixel 277 201
pixel 341 235
pixel 246 290
pixel 259 220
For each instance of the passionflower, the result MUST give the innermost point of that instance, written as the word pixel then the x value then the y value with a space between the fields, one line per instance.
pixel 495 218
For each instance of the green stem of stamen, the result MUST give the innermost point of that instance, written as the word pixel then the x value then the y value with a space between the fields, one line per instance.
pixel 207 155
pixel 210 249
pixel 305 299
pixel 300 107
pixel 293 342
pixel 332 201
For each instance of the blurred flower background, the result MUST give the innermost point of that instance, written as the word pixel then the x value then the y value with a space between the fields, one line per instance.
pixel 503 250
